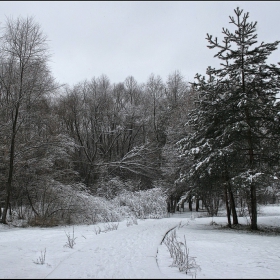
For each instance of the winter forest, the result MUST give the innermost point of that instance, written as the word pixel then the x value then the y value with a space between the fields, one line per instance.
pixel 100 152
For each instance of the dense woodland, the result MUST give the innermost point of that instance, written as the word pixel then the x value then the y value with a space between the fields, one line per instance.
pixel 66 150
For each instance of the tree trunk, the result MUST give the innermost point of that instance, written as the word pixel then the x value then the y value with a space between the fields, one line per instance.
pixel 253 208
pixel 190 204
pixel 168 206
pixel 233 208
pixel 11 168
pixel 171 204
pixel 197 204
pixel 176 207
pixel 227 207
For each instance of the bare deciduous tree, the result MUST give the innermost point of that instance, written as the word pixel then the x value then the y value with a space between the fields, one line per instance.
pixel 24 80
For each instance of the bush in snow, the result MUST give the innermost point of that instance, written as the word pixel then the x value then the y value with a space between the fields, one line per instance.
pixel 71 204
pixel 110 227
pixel 144 204
pixel 55 203
pixel 111 187
pixel 96 210
pixel 131 221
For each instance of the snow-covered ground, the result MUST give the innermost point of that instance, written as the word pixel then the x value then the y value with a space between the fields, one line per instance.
pixel 136 251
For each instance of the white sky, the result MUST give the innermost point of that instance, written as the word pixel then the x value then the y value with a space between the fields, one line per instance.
pixel 119 39
pixel 135 252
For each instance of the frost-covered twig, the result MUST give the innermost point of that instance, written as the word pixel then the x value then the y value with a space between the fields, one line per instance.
pixel 70 240
pixel 97 230
pixel 180 254
pixel 42 258
pixel 110 227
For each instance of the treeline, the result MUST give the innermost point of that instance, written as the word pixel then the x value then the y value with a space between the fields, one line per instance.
pixel 120 129
pixel 96 137
pixel 215 140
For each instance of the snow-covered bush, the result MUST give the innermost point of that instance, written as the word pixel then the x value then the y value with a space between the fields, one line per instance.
pixel 110 188
pixel 131 221
pixel 144 204
pixel 110 226
pixel 113 186
pixel 92 210
pixel 55 203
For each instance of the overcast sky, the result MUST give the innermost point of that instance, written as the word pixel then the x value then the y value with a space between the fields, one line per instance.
pixel 121 39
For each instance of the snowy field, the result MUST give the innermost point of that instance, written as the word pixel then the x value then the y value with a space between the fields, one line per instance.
pixel 137 251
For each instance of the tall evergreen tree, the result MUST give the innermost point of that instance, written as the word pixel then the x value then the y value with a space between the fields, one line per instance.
pixel 236 124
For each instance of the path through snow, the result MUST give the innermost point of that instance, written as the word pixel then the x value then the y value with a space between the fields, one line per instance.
pixel 135 251
pixel 125 253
